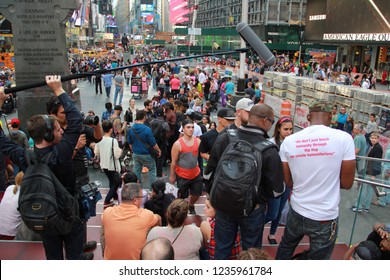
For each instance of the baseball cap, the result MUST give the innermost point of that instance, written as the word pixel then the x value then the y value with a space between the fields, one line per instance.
pixel 244 104
pixel 320 106
pixel 367 250
pixel 15 122
pixel 226 113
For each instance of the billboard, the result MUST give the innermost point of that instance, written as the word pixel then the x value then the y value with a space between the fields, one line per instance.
pixel 148 17
pixel 348 21
pixel 177 9
pixel 147 7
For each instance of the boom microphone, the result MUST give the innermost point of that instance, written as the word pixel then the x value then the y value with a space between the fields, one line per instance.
pixel 250 37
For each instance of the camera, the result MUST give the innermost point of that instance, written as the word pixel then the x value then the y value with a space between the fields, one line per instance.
pixel 91 120
pixel 91 189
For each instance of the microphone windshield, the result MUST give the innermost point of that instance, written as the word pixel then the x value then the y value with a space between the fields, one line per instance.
pixel 250 37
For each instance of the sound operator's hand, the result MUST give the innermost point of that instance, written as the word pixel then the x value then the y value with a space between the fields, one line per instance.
pixel 54 82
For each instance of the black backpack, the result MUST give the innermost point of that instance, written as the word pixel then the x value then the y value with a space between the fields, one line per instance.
pixel 159 133
pixel 44 204
pixel 9 105
pixel 235 188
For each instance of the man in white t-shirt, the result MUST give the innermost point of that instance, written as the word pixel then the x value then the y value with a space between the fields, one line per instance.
pixel 202 77
pixel 317 162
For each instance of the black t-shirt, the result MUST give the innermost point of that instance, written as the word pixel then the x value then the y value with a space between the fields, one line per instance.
pixel 207 85
pixel 208 140
pixel 202 127
pixel 153 206
pixel 374 237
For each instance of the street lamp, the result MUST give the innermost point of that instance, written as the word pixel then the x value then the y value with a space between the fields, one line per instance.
pixel 301 32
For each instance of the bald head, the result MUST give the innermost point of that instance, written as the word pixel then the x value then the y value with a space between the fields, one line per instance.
pixel 261 115
pixel 319 118
pixel 261 110
pixel 158 249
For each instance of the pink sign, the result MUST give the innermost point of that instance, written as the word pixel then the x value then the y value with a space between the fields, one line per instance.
pixel 178 8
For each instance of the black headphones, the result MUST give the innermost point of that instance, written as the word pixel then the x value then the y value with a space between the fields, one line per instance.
pixel 49 135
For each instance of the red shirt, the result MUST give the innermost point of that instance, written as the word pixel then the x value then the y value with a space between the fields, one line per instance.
pixel 175 84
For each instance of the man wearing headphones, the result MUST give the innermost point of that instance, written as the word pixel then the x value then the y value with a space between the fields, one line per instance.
pixel 49 137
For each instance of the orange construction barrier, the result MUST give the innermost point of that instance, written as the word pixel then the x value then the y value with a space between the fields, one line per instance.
pixel 286 109
pixel 262 97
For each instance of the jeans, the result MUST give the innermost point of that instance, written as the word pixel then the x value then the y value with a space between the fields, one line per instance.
pixel 366 194
pixel 383 200
pixel 322 237
pixel 154 83
pixel 73 242
pixel 108 91
pixel 275 209
pixel 112 192
pixel 161 160
pixel 98 85
pixel 148 161
pixel 118 90
pixel 226 228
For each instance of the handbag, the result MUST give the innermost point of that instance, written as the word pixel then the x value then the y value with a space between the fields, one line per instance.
pixel 151 150
pixel 113 157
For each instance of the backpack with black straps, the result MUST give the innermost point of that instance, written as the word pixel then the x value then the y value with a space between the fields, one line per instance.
pixel 44 204
pixel 235 188
pixel 159 133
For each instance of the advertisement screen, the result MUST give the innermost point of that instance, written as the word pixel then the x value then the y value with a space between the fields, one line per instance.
pixel 348 21
pixel 178 8
pixel 147 7
pixel 315 20
pixel 5 26
pixel 148 17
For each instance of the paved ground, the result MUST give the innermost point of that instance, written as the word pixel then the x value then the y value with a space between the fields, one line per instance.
pixel 364 221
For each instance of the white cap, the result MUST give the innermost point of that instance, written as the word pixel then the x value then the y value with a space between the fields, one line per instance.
pixel 244 104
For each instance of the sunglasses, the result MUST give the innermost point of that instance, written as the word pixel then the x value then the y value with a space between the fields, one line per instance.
pixel 272 121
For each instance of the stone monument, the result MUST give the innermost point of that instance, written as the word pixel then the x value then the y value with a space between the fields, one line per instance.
pixel 40 48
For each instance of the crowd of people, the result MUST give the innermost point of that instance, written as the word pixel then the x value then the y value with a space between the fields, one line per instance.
pixel 173 132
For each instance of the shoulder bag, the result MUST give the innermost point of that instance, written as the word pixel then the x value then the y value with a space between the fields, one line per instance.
pixel 151 150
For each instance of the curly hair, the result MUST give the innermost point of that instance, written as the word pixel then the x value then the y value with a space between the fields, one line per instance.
pixel 253 254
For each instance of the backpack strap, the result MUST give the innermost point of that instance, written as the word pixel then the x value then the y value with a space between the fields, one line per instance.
pixel 30 156
pixel 34 157
pixel 232 135
pixel 261 147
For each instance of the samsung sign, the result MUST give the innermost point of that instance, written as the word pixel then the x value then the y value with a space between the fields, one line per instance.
pixel 348 20
pixel 317 17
